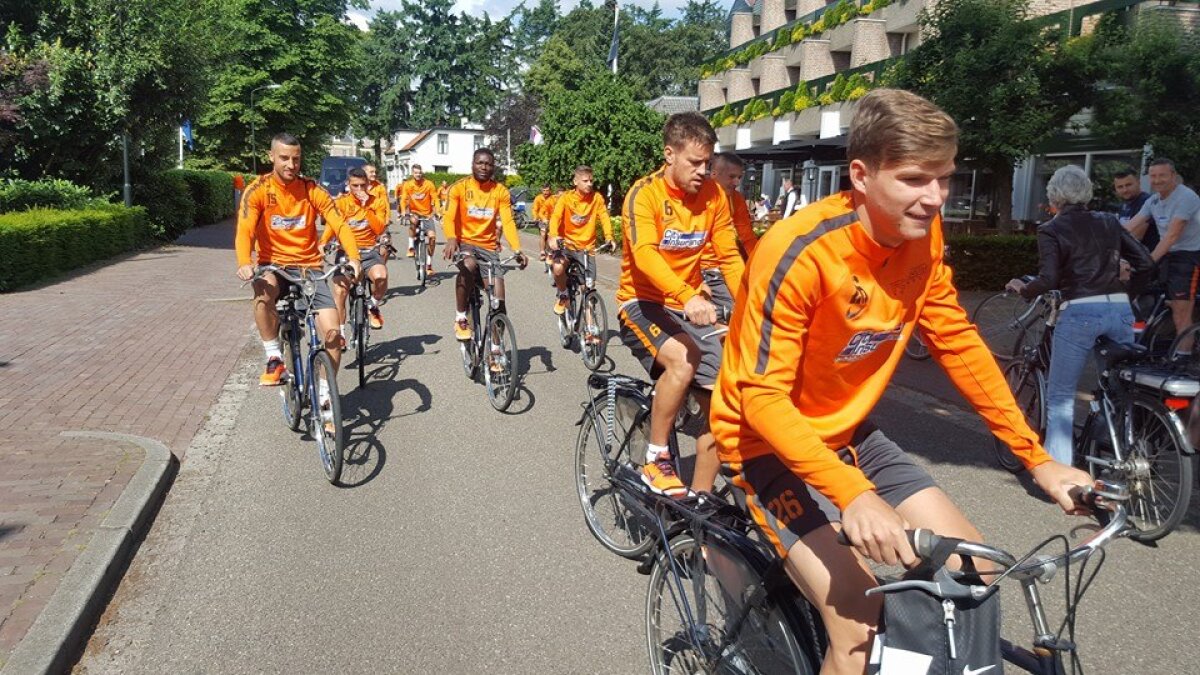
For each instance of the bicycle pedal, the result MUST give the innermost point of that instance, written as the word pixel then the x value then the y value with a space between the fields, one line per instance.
pixel 646 565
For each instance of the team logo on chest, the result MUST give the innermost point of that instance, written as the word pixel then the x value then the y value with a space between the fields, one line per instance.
pixel 674 240
pixel 864 343
pixel 284 223
pixel 858 300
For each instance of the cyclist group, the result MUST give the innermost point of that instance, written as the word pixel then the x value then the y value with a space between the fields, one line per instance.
pixel 817 312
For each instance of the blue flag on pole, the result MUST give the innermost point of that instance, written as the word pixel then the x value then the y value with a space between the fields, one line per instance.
pixel 186 129
pixel 612 49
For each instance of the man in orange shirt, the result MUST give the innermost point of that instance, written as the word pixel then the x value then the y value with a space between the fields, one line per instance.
pixel 417 206
pixel 379 191
pixel 574 220
pixel 830 296
pixel 239 186
pixel 443 194
pixel 278 218
pixel 543 208
pixel 474 207
pixel 360 209
pixel 665 311
pixel 727 170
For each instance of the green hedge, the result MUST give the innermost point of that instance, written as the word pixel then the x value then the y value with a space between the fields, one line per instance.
pixel 212 193
pixel 986 263
pixel 42 243
pixel 169 204
pixel 47 193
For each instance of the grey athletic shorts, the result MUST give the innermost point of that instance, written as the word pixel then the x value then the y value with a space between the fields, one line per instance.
pixel 646 327
pixel 322 299
pixel 720 291
pixel 786 508
pixel 584 259
pixel 482 254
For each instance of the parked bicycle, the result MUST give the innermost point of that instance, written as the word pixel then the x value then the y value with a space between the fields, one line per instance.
pixel 1133 433
pixel 491 353
pixel 586 318
pixel 1006 321
pixel 312 379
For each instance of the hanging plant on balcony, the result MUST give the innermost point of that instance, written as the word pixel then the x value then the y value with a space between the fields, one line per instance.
pixel 787 103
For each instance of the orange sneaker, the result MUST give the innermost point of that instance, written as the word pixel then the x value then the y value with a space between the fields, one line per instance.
pixel 660 476
pixel 462 330
pixel 412 253
pixel 274 374
pixel 375 317
pixel 560 306
pixel 428 270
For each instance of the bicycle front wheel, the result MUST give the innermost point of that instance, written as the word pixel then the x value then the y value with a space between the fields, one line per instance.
pixel 327 416
pixel 291 391
pixel 611 521
pixel 422 263
pixel 500 362
pixel 729 630
pixel 1028 386
pixel 361 331
pixel 594 340
pixel 1156 468
pixel 1183 353
pixel 915 348
pixel 998 321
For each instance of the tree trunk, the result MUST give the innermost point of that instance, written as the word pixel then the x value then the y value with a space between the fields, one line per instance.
pixel 1002 187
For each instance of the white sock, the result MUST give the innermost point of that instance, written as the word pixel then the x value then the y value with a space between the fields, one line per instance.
pixel 410 243
pixel 323 387
pixel 653 451
pixel 460 316
pixel 371 302
pixel 271 347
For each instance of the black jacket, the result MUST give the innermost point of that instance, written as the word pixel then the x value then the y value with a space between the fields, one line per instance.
pixel 1079 253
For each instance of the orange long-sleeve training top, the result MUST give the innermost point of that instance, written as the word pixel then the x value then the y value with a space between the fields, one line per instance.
pixel 817 332
pixel 574 219
pixel 362 219
pixel 379 190
pixel 472 212
pixel 417 197
pixel 543 207
pixel 280 221
pixel 741 224
pixel 665 230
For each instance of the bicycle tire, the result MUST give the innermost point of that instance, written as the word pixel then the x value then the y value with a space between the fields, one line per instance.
pixel 1028 386
pixel 617 527
pixel 501 384
pixel 361 330
pixel 330 441
pixel 996 320
pixel 422 257
pixel 1188 361
pixel 1155 507
pixel 292 392
pixel 915 348
pixel 593 351
pixel 566 333
pixel 1159 334
pixel 469 350
pixel 765 642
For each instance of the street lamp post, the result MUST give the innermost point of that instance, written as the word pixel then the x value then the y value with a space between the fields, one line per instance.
pixel 253 151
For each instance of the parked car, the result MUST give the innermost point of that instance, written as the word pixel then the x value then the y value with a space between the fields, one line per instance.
pixel 334 171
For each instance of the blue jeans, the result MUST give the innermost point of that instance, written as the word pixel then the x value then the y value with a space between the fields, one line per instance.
pixel 1075 335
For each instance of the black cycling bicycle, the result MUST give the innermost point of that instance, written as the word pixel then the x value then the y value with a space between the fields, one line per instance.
pixel 586 318
pixel 425 227
pixel 492 350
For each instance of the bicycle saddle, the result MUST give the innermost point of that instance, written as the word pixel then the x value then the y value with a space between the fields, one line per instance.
pixel 1113 353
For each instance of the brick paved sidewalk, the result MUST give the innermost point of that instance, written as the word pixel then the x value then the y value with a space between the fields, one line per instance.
pixel 139 346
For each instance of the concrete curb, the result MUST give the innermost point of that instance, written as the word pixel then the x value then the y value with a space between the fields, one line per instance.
pixel 51 643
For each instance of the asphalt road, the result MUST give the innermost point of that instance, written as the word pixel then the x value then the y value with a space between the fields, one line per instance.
pixel 460 546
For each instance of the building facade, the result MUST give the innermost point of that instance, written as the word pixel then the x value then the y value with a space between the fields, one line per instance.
pixel 441 149
pixel 783 94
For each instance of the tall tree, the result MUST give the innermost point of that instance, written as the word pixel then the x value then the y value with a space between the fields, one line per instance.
pixel 532 27
pixel 385 102
pixel 600 124
pixel 1010 85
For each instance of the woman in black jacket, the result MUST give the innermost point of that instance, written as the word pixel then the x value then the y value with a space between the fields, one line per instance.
pixel 1079 254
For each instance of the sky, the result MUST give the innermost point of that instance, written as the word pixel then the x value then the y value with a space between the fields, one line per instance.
pixel 499 8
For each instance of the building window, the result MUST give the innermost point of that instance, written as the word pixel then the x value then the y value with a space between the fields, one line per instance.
pixel 478 141
pixel 443 144
pixel 441 169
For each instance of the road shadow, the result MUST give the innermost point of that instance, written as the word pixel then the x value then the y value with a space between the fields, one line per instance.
pixel 527 356
pixel 10 530
pixel 368 410
pixel 523 401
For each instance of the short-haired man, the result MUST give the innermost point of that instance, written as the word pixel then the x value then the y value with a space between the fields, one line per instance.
pixel 574 220
pixel 378 190
pixel 727 170
pixel 360 209
pixel 790 199
pixel 278 219
pixel 1174 209
pixel 669 217
pixel 1129 190
pixel 543 208
pixel 416 206
pixel 830 297
pixel 477 207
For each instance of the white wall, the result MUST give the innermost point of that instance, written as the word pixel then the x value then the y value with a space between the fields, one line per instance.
pixel 457 159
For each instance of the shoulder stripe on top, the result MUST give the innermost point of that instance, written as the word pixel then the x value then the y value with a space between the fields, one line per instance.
pixel 633 207
pixel 781 270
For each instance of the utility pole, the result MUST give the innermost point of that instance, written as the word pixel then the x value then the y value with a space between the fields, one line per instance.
pixel 128 188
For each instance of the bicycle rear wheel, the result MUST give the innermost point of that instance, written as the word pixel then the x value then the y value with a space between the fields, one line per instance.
pixel 564 321
pixel 1183 352
pixel 997 320
pixel 327 422
pixel 1028 386
pixel 593 341
pixel 611 521
pixel 1156 468
pixel 500 361
pixel 915 348
pixel 1159 334
pixel 292 391
pixel 733 630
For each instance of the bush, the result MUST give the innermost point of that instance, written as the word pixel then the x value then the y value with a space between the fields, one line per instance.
pixel 986 263
pixel 513 181
pixel 48 193
pixel 438 177
pixel 170 208
pixel 42 243
pixel 212 194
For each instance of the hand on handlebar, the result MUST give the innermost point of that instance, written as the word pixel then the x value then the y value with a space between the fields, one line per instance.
pixel 877 531
pixel 522 259
pixel 450 248
pixel 245 272
pixel 700 311
pixel 554 243
pixel 1057 481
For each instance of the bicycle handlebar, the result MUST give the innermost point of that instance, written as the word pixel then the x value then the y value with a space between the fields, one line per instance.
pixel 344 268
pixel 462 255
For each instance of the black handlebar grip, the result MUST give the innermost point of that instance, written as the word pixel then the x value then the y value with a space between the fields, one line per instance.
pixel 923 542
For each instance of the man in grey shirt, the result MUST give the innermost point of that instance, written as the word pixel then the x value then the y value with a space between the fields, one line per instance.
pixel 1175 210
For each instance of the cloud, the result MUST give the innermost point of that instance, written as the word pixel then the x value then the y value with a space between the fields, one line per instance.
pixel 499 8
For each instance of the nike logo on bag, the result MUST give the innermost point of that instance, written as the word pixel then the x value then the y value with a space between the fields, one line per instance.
pixel 967 670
